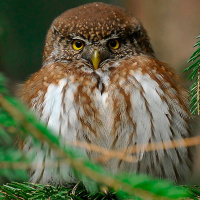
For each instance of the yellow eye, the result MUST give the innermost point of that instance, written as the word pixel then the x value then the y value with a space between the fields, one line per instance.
pixel 113 44
pixel 77 44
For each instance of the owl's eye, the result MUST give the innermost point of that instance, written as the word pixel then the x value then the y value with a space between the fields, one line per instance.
pixel 78 44
pixel 113 44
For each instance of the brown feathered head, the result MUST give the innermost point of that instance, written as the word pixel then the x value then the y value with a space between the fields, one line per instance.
pixel 95 33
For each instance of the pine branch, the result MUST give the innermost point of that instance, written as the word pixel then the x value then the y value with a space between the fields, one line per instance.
pixel 27 191
pixel 32 191
pixel 195 75
pixel 36 191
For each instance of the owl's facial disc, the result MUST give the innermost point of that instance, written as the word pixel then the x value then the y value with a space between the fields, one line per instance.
pixel 96 53
pixel 92 56
pixel 97 57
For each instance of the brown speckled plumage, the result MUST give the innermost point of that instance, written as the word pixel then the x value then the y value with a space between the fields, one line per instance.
pixel 105 23
pixel 130 99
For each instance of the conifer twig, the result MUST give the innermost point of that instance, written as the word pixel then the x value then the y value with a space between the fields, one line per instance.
pixel 123 154
pixel 198 88
pixel 195 75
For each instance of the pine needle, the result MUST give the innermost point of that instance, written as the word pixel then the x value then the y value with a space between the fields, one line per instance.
pixel 195 75
pixel 198 88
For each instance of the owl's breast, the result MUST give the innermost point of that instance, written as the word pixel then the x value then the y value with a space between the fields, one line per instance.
pixel 132 105
pixel 75 110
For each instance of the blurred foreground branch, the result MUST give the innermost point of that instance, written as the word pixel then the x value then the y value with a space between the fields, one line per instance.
pixel 15 119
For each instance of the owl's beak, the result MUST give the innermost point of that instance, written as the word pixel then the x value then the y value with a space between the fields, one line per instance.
pixel 96 59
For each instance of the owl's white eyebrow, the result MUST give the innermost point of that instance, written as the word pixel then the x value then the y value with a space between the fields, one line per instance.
pixel 111 38
pixel 103 41
pixel 114 36
pixel 80 38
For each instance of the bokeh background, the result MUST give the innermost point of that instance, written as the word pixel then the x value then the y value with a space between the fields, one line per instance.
pixel 171 24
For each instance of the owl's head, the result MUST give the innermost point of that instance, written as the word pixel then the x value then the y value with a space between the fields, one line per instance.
pixel 95 34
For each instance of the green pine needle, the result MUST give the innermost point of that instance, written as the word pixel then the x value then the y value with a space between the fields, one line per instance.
pixel 195 74
pixel 31 191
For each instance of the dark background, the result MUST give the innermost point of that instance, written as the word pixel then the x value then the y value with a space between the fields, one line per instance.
pixel 172 26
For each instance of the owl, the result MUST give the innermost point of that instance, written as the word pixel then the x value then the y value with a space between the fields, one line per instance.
pixel 101 84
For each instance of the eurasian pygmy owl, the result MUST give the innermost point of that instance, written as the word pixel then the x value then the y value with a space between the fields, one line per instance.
pixel 100 83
